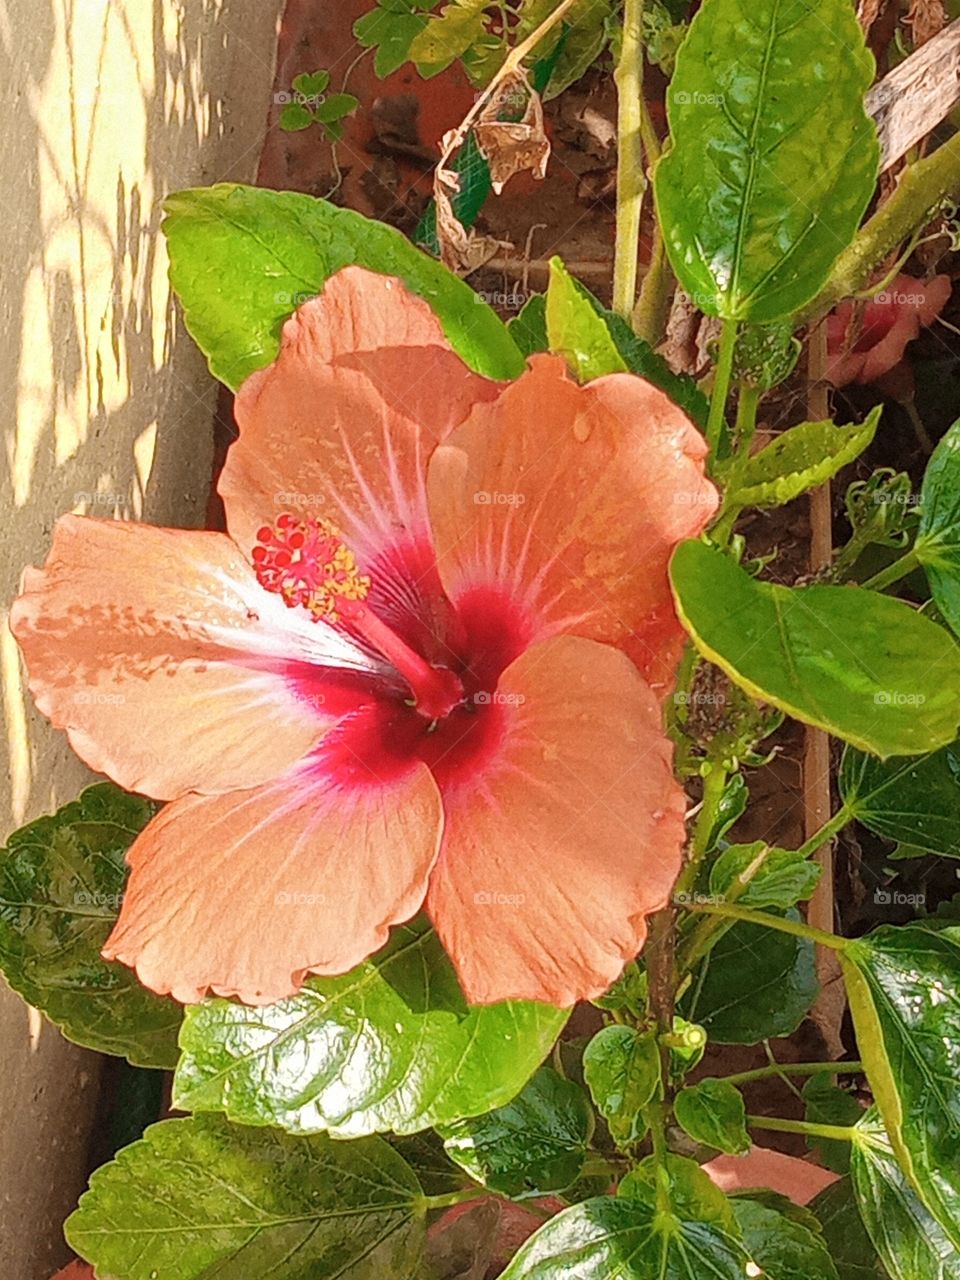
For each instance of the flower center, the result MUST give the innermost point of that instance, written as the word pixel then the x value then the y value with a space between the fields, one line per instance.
pixel 306 563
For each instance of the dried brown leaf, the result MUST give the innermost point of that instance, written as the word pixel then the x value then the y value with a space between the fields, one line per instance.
pixel 513 146
pixel 926 19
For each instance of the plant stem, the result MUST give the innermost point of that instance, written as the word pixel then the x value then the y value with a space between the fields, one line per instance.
pixel 729 912
pixel 650 314
pixel 714 785
pixel 796 1069
pixel 747 405
pixel 921 190
pixel 746 425
pixel 829 829
pixel 721 384
pixel 453 1197
pixel 835 1132
pixel 893 572
pixel 631 177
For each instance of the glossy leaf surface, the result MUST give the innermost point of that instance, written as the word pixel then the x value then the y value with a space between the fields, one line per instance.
pixel 392 1045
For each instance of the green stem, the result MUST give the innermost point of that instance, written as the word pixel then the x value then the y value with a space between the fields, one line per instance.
pixel 650 314
pixel 921 190
pixel 721 384
pixel 714 785
pixel 746 425
pixel 453 1197
pixel 728 912
pixel 829 829
pixel 835 1132
pixel 893 572
pixel 631 176
pixel 795 1069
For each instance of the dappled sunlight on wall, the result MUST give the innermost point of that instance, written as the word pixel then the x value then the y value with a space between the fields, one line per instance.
pixel 107 408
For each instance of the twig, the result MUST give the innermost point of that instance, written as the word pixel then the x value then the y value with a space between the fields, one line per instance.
pixel 631 177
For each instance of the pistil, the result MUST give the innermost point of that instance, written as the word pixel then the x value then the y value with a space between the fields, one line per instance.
pixel 306 562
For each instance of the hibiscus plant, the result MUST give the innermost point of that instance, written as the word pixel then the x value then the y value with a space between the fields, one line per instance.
pixel 449 732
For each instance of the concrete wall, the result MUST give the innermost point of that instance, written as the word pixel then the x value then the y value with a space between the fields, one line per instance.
pixel 106 407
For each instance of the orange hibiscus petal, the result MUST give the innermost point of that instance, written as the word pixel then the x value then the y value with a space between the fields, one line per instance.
pixel 164 660
pixel 573 498
pixel 572 835
pixel 246 894
pixel 763 1167
pixel 343 421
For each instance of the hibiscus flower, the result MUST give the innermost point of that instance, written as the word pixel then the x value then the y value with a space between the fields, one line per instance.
pixel 420 672
pixel 865 343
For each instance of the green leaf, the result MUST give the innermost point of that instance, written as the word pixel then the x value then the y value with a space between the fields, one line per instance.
pixel 846 1237
pixel 197 1198
pixel 535 1144
pixel 914 800
pixel 624 1238
pixel 765 355
pixel 938 541
pixel 902 984
pixel 773 159
pixel 335 106
pixel 783 1248
pixel 732 807
pixel 785 876
pixel 622 1070
pixel 911 1244
pixel 826 1103
pixel 475 184
pixel 528 328
pixel 294 118
pixel 585 38
pixel 424 1153
pixel 800 459
pixel 242 259
pixel 450 35
pixel 781 1204
pixel 712 1112
pixel 61 885
pixel 595 341
pixel 576 330
pixel 689 1192
pixel 863 666
pixel 391 34
pixel 312 84
pixel 756 984
pixel 392 1045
